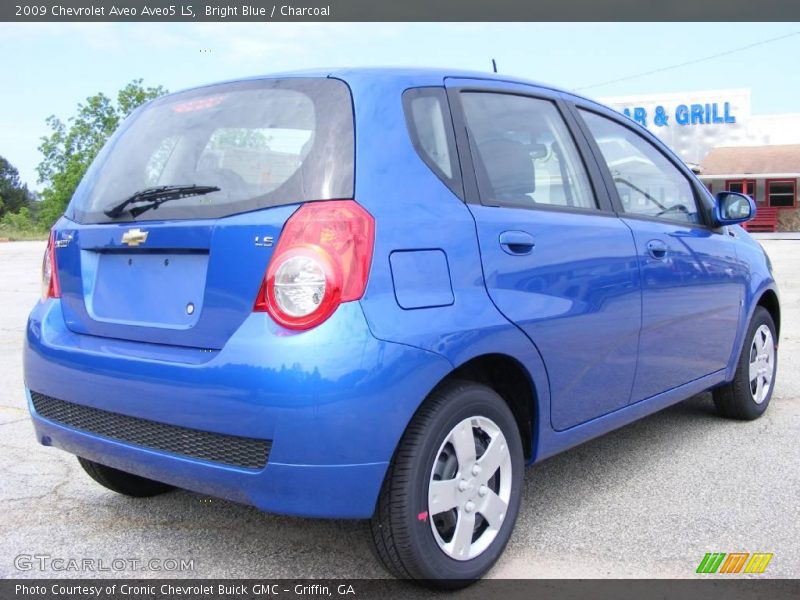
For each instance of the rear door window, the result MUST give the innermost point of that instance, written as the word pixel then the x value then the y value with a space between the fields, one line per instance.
pixel 431 131
pixel 523 152
pixel 262 142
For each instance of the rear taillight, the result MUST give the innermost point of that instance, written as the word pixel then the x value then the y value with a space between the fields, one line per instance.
pixel 322 259
pixel 50 285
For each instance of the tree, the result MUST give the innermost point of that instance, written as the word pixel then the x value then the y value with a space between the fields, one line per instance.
pixel 14 194
pixel 72 145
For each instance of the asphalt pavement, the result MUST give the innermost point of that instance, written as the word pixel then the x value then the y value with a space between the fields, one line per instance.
pixel 648 500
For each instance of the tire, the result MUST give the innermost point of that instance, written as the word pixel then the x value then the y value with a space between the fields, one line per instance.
pixel 743 398
pixel 122 482
pixel 414 540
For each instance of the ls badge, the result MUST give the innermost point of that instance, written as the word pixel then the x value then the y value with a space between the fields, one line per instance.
pixel 134 237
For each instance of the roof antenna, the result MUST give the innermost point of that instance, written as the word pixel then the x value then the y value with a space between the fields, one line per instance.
pixel 494 66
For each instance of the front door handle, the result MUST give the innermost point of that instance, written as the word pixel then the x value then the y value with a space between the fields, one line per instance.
pixel 516 243
pixel 657 249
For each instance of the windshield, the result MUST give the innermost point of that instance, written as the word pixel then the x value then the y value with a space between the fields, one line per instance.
pixel 262 143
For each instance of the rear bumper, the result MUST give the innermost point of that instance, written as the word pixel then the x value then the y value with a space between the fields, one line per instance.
pixel 333 402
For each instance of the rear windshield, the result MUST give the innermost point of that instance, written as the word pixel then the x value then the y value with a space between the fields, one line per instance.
pixel 262 143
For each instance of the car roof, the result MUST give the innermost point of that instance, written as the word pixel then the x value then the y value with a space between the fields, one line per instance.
pixel 405 73
pixel 422 75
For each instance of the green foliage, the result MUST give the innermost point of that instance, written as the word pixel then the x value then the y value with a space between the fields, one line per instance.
pixel 17 220
pixel 72 145
pixel 21 225
pixel 14 195
pixel 240 138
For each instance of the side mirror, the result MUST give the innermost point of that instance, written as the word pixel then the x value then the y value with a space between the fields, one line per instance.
pixel 733 207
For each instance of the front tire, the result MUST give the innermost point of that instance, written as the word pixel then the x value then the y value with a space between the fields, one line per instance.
pixel 122 482
pixel 748 395
pixel 452 492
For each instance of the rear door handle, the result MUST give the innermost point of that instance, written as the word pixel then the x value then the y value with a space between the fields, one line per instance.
pixel 657 249
pixel 516 243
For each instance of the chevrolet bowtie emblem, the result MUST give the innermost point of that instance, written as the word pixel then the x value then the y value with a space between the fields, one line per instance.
pixel 134 237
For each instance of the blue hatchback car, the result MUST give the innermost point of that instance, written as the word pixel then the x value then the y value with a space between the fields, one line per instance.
pixel 379 294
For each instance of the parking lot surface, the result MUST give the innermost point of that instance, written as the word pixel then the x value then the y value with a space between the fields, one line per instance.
pixel 648 500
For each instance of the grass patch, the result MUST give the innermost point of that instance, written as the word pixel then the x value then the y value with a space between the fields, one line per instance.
pixel 16 234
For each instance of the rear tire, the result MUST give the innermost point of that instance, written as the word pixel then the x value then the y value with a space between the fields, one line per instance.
pixel 748 395
pixel 452 492
pixel 122 482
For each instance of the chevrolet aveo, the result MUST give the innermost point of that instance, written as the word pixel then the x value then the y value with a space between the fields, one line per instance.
pixel 379 294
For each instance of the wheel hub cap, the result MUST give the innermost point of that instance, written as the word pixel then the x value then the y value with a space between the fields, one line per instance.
pixel 762 364
pixel 470 488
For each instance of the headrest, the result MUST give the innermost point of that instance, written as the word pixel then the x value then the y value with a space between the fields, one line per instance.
pixel 509 167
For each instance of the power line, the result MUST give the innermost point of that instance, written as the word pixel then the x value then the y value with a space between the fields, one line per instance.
pixel 690 62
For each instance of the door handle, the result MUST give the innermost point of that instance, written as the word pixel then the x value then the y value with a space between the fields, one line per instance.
pixel 516 243
pixel 657 249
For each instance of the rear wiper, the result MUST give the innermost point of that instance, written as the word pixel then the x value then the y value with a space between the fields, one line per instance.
pixel 156 196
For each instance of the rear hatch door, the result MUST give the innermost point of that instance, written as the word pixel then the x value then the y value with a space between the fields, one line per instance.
pixel 190 283
pixel 186 272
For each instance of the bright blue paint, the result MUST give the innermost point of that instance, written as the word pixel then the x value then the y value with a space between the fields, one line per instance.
pixel 690 304
pixel 145 290
pixel 421 278
pixel 726 219
pixel 576 296
pixel 232 278
pixel 262 384
pixel 594 320
pixel 516 243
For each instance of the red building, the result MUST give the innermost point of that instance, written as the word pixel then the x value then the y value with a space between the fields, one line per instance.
pixel 769 174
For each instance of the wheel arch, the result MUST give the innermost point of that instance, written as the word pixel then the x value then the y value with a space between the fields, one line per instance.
pixel 769 300
pixel 511 380
pixel 766 296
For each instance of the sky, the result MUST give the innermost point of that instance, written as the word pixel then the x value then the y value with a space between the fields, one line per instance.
pixel 50 67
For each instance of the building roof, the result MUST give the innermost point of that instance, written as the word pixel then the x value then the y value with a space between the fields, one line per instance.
pixel 752 160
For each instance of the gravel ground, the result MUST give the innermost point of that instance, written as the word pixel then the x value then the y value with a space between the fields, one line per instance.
pixel 645 501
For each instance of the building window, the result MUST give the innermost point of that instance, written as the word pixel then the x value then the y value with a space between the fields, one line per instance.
pixel 738 185
pixel 782 193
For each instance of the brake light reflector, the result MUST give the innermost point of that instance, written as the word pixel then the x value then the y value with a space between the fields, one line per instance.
pixel 200 104
pixel 50 285
pixel 322 259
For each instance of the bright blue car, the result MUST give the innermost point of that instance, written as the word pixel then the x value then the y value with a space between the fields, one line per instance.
pixel 379 294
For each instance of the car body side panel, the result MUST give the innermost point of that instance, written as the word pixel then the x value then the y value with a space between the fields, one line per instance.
pixel 415 211
pixel 759 280
pixel 553 442
pixel 751 262
pixel 395 185
pixel 434 218
pixel 692 301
